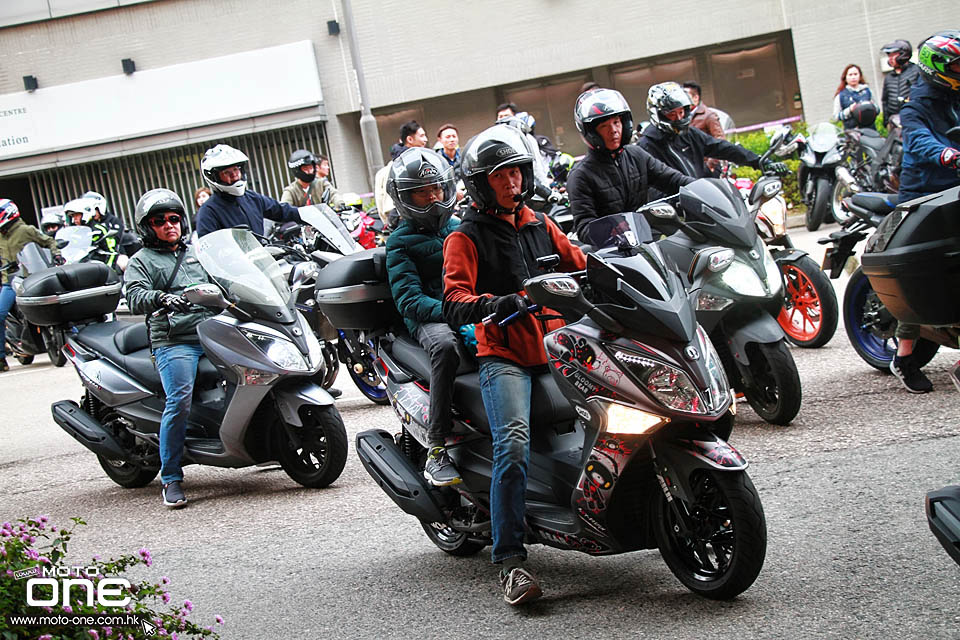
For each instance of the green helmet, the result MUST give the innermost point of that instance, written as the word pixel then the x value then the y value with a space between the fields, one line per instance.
pixel 939 58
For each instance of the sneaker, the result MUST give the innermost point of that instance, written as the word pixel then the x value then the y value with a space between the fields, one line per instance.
pixel 439 470
pixel 3 365
pixel 519 585
pixel 910 375
pixel 173 495
pixel 334 392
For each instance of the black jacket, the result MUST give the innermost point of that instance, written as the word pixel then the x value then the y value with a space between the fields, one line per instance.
pixel 224 211
pixel 896 90
pixel 603 183
pixel 685 152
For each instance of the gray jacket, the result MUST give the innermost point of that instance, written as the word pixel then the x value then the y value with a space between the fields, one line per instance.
pixel 147 272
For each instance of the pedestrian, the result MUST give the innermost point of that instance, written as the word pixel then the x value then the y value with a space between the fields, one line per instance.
pixel 703 117
pixel 897 83
pixel 851 100
pixel 448 137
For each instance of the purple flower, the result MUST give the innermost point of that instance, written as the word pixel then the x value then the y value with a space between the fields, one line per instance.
pixel 67 608
pixel 5 533
pixel 44 559
pixel 33 554
pixel 174 636
pixel 108 631
pixel 94 634
pixel 3 552
pixel 145 555
pixel 164 580
pixel 165 597
pixel 44 520
pixel 54 528
pixel 188 605
pixel 45 636
pixel 219 619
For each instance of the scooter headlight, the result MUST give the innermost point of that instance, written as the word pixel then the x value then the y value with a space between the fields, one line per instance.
pixel 282 352
pixel 740 278
pixel 719 390
pixel 631 421
pixel 671 386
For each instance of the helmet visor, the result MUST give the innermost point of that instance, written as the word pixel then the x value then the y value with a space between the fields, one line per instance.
pixel 421 198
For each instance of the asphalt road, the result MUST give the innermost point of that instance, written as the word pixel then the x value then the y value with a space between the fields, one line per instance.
pixel 849 552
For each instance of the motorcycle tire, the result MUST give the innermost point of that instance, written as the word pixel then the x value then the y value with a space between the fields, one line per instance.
pixel 775 393
pixel 24 359
pixel 810 314
pixel 821 201
pixel 313 455
pixel 363 372
pixel 870 327
pixel 451 541
pixel 54 350
pixel 128 475
pixel 720 551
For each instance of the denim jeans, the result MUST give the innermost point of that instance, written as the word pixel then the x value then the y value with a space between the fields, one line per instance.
pixel 440 342
pixel 7 298
pixel 177 365
pixel 506 391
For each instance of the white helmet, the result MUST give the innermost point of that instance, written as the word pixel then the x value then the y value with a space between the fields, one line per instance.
pixel 219 158
pixel 98 201
pixel 84 206
pixel 52 219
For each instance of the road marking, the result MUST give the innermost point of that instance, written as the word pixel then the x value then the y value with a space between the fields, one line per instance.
pixel 10 374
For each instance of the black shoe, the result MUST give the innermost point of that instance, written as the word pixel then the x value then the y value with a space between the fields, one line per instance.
pixel 333 391
pixel 439 470
pixel 519 585
pixel 910 375
pixel 3 365
pixel 173 495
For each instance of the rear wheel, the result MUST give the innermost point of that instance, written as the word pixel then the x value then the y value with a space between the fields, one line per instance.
pixel 716 543
pixel 130 475
pixel 775 392
pixel 359 358
pixel 821 202
pixel 313 455
pixel 22 359
pixel 54 344
pixel 809 315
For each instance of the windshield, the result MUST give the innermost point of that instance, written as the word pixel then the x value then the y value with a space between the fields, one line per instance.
pixel 33 259
pixel 823 137
pixel 239 263
pixel 329 225
pixel 79 241
pixel 617 230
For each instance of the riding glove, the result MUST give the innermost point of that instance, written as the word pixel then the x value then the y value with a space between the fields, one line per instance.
pixel 59 260
pixel 778 168
pixel 174 302
pixel 500 307
pixel 950 158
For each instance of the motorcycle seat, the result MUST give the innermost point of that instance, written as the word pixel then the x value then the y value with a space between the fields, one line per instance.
pixel 102 336
pixel 132 338
pixel 548 405
pixel 869 132
pixel 875 143
pixel 879 203
pixel 410 354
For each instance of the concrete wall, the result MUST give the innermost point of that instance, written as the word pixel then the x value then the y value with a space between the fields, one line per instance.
pixel 415 51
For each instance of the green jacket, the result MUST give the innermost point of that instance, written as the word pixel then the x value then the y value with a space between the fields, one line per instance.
pixel 19 234
pixel 415 271
pixel 148 271
pixel 294 194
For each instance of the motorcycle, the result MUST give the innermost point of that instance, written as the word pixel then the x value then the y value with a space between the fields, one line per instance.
pixel 625 452
pixel 364 228
pixel 25 340
pixel 819 158
pixel 870 163
pixel 737 306
pixel 809 315
pixel 254 400
pixel 83 244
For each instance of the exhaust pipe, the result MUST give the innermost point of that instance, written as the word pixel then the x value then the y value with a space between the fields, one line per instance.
pixel 87 431
pixel 849 182
pixel 394 473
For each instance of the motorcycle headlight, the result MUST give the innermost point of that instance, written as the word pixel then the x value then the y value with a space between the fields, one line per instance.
pixel 775 211
pixel 671 386
pixel 740 278
pixel 630 421
pixel 282 352
pixel 719 390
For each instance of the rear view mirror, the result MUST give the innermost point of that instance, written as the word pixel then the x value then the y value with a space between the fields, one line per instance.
pixel 548 263
pixel 557 291
pixel 712 258
pixel 61 243
pixel 660 210
pixel 779 136
pixel 206 295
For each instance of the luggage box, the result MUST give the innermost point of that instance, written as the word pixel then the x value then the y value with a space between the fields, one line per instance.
pixel 74 293
pixel 353 292
pixel 913 261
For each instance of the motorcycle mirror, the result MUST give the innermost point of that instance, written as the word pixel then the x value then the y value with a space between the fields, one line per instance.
pixel 661 210
pixel 557 291
pixel 771 189
pixel 779 136
pixel 715 259
pixel 548 263
pixel 953 134
pixel 62 243
pixel 302 272
pixel 206 295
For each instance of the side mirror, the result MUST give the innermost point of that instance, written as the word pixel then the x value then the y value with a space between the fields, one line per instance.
pixel 62 243
pixel 206 295
pixel 714 259
pixel 302 272
pixel 779 136
pixel 557 291
pixel 660 211
pixel 548 263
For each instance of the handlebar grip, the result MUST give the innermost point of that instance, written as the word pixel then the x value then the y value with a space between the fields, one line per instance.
pixel 516 314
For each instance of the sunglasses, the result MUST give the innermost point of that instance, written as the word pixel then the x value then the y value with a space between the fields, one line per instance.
pixel 159 222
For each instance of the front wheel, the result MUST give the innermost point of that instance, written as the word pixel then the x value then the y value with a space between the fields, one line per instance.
pixel 809 315
pixel 715 544
pixel 821 202
pixel 775 392
pixel 840 191
pixel 129 475
pixel 313 455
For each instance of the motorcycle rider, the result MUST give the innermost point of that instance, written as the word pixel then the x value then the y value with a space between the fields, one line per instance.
pixel 484 262
pixel 613 177
pixel 51 222
pixel 14 234
pixel 421 185
pixel 672 140
pixel 307 188
pixel 897 83
pixel 128 242
pixel 931 160
pixel 224 170
pixel 75 210
pixel 153 284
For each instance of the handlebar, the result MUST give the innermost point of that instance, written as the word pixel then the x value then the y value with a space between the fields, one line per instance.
pixel 510 319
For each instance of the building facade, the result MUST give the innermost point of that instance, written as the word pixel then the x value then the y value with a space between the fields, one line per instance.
pixel 273 77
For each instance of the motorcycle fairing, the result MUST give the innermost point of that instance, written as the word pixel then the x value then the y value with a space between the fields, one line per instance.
pixel 754 326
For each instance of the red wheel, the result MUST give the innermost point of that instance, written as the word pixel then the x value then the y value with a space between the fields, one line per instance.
pixel 809 315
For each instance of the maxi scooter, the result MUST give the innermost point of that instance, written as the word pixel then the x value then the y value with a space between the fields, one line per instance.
pixel 627 427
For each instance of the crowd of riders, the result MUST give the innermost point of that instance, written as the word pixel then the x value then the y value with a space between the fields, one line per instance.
pixel 451 266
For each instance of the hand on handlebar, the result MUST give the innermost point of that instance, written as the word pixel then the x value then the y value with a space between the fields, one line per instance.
pixel 500 308
pixel 778 168
pixel 173 302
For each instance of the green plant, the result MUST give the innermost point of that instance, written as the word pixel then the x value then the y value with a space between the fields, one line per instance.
pixel 32 544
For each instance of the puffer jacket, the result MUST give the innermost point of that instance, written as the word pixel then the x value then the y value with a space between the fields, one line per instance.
pixel 17 235
pixel 896 90
pixel 148 271
pixel 604 183
pixel 294 194
pixel 415 271
pixel 926 118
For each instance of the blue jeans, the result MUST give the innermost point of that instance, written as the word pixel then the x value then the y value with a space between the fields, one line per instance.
pixel 177 366
pixel 506 397
pixel 7 298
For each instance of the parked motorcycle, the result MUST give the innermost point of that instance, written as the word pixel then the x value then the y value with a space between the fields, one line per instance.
pixel 737 306
pixel 365 229
pixel 624 451
pixel 820 155
pixel 25 340
pixel 254 399
pixel 870 163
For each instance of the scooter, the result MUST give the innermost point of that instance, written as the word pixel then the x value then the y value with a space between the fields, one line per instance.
pixel 24 340
pixel 624 450
pixel 256 398
pixel 820 155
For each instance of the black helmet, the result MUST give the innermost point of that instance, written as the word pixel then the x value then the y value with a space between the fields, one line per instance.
pixel 414 169
pixel 939 56
pixel 902 48
pixel 153 202
pixel 864 114
pixel 597 105
pixel 300 158
pixel 664 98
pixel 498 147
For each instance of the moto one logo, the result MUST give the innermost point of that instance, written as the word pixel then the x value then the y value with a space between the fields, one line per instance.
pixel 109 591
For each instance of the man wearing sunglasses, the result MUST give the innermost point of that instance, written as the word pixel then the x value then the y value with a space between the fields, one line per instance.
pixel 154 281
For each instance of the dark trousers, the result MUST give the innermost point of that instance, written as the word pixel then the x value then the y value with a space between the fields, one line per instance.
pixel 440 341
